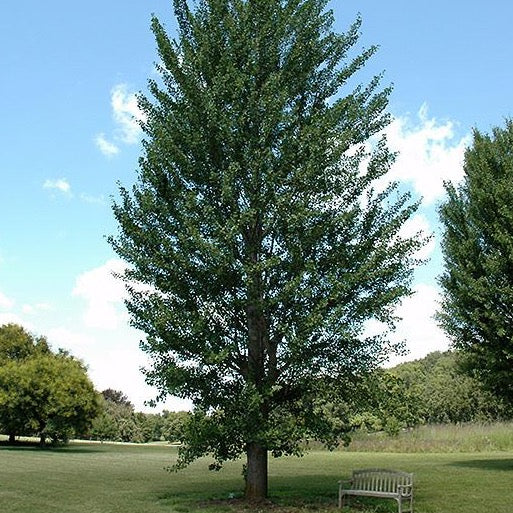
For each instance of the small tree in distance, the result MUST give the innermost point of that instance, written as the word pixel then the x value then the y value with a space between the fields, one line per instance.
pixel 256 229
pixel 117 397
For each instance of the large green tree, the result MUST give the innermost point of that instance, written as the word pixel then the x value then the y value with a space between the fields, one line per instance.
pixel 257 245
pixel 16 345
pixel 478 250
pixel 41 392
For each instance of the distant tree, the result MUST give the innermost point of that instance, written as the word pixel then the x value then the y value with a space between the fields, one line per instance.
pixel 118 420
pixel 104 427
pixel 117 397
pixel 41 392
pixel 477 283
pixel 150 426
pixel 173 425
pixel 444 394
pixel 259 229
pixel 386 403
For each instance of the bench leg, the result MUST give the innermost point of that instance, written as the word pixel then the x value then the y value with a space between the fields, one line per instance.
pixel 400 505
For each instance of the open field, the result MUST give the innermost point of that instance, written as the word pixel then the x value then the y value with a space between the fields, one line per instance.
pixel 471 437
pixel 105 478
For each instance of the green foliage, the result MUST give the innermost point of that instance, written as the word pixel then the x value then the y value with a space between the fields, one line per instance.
pixel 258 245
pixel 41 392
pixel 119 422
pixel 387 404
pixel 477 246
pixel 17 344
pixel 444 394
pixel 173 425
pixel 117 397
pixel 105 427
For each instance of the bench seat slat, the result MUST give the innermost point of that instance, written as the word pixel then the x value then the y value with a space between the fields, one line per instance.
pixel 370 493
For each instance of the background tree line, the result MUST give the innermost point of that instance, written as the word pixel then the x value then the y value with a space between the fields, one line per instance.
pixel 49 395
pixel 445 393
pixel 119 422
pixel 432 390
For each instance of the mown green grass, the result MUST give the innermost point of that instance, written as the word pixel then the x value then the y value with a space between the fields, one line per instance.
pixel 104 478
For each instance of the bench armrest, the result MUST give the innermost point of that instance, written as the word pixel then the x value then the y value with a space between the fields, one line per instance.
pixel 404 490
pixel 345 482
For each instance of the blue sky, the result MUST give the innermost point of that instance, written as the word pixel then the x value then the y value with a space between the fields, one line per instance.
pixel 69 71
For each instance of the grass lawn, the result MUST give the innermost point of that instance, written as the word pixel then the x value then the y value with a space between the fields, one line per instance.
pixel 106 478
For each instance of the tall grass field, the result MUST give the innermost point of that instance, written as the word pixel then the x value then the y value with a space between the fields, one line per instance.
pixel 113 478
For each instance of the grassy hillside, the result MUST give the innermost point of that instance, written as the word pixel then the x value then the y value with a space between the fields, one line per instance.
pixel 450 438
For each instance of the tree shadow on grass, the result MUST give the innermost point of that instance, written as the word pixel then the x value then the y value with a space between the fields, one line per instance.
pixel 271 505
pixel 505 464
pixel 307 505
pixel 299 494
pixel 34 446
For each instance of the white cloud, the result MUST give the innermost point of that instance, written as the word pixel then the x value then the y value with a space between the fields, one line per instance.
pixel 12 318
pixel 113 361
pixel 35 309
pixel 5 302
pixel 418 326
pixel 94 200
pixel 107 344
pixel 419 223
pixel 9 313
pixel 429 154
pixel 61 184
pixel 76 343
pixel 126 114
pixel 104 295
pixel 106 147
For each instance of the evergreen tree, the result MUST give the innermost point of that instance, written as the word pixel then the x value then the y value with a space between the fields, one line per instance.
pixel 478 250
pixel 259 245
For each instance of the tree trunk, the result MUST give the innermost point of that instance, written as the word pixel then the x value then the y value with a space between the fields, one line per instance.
pixel 256 477
pixel 12 438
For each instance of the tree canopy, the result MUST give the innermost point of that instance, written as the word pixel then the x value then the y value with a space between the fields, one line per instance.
pixel 439 391
pixel 42 392
pixel 259 235
pixel 16 343
pixel 477 244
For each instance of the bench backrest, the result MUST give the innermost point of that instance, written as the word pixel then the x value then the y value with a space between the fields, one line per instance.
pixel 380 480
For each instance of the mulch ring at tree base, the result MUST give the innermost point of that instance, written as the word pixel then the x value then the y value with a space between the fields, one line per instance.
pixel 293 506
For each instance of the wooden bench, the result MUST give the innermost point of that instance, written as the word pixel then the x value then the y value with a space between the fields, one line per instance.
pixel 377 482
